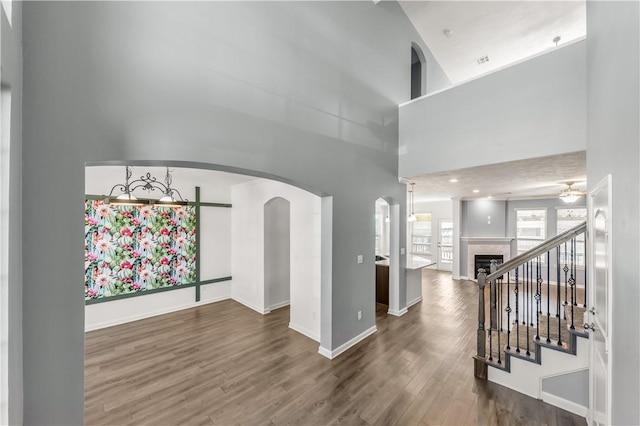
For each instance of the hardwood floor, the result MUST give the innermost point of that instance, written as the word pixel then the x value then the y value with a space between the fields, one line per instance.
pixel 225 364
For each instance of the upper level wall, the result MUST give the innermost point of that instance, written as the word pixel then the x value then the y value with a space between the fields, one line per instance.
pixel 533 109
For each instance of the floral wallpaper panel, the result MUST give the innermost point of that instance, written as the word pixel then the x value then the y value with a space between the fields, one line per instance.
pixel 131 249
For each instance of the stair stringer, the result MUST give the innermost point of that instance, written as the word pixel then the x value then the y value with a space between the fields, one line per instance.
pixel 526 376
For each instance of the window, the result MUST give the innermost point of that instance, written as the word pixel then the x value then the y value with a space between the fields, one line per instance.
pixel 421 234
pixel 567 219
pixel 531 228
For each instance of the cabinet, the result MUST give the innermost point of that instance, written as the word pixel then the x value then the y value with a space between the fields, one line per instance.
pixel 382 284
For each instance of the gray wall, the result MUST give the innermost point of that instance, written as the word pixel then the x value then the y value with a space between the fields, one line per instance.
pixel 533 109
pixel 503 222
pixel 573 386
pixel 11 77
pixel 613 75
pixel 306 92
pixel 277 251
pixel 475 218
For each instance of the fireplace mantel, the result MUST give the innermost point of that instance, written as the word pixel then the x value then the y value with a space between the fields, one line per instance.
pixel 487 240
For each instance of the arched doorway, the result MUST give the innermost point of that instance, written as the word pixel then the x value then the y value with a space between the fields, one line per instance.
pixel 418 72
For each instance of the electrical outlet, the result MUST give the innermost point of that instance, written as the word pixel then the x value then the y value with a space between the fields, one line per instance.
pixel 402 251
pixel 359 315
pixel 360 258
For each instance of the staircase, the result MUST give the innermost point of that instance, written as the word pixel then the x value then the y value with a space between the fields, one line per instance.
pixel 531 335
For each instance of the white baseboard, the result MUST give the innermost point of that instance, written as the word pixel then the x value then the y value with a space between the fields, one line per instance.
pixel 143 315
pixel 463 277
pixel 565 404
pixel 261 311
pixel 304 331
pixel 414 301
pixel 279 305
pixel 396 313
pixel 331 354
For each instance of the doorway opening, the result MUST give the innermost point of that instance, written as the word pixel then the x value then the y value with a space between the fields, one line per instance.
pixel 277 249
pixel 418 72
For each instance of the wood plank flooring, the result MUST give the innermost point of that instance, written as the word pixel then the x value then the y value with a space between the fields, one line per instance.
pixel 225 364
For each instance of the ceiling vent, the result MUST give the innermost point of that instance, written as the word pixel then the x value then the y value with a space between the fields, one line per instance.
pixel 482 60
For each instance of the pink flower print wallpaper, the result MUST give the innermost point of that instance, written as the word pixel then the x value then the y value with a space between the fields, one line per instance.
pixel 131 249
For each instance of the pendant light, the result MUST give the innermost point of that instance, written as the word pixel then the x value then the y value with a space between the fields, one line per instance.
pixel 170 197
pixel 412 216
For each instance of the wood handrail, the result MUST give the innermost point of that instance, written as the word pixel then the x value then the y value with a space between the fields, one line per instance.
pixel 536 251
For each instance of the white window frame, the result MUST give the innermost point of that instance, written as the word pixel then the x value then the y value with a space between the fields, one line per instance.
pixel 534 239
pixel 580 239
pixel 428 245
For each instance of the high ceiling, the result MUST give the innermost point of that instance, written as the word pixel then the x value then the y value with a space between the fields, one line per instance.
pixel 459 33
pixel 507 31
pixel 541 177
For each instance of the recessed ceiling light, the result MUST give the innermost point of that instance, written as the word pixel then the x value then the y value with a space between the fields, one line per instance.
pixel 489 197
pixel 475 191
pixel 453 180
pixel 447 32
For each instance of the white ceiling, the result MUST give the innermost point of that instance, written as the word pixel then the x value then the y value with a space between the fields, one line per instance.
pixel 541 177
pixel 507 31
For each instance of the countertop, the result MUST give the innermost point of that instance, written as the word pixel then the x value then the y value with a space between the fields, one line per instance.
pixel 413 262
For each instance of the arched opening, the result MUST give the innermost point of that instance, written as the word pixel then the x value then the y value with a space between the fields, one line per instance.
pixel 418 72
pixel 277 249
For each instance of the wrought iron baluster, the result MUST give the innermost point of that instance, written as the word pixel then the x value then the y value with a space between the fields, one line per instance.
pixel 558 286
pixel 548 297
pixel 508 309
pixel 515 290
pixel 565 268
pixel 572 280
pixel 537 296
pixel 527 312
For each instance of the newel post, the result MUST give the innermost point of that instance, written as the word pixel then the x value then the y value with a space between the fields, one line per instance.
pixel 480 367
pixel 493 297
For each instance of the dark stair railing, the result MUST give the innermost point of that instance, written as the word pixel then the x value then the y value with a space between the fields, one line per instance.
pixel 525 311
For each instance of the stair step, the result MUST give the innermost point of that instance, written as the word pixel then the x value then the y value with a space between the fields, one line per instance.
pixel 518 337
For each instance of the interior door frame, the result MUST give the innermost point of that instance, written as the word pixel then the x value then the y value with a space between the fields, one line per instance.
pixel 604 185
pixel 439 246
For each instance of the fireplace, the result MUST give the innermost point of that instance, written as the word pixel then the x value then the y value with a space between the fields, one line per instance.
pixel 484 261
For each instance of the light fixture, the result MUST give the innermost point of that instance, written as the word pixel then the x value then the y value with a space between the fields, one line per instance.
pixel 454 180
pixel 412 216
pixel 170 197
pixel 475 191
pixel 570 195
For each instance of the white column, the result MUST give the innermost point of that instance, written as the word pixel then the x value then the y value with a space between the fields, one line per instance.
pixel 457 219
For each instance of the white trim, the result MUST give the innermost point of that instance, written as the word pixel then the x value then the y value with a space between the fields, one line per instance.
pixel 310 334
pixel 398 313
pixel 279 305
pixel 464 277
pixel 261 311
pixel 414 301
pixel 139 316
pixel 331 354
pixel 487 239
pixel 565 404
